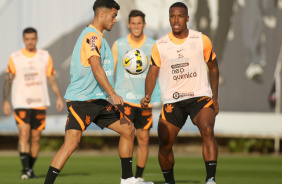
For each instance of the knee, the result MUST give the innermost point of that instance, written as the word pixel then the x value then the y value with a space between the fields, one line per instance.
pixel 143 140
pixel 128 132
pixel 24 136
pixel 208 131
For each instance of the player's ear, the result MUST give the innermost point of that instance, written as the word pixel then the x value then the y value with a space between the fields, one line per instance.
pixel 128 25
pixel 187 18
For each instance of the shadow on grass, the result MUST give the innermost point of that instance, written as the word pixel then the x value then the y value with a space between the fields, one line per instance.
pixel 67 174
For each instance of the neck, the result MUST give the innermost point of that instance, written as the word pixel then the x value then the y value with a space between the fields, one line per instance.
pixel 31 50
pixel 96 23
pixel 138 38
pixel 181 35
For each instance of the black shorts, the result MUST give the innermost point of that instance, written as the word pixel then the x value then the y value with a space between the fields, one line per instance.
pixel 177 113
pixel 36 118
pixel 140 117
pixel 82 113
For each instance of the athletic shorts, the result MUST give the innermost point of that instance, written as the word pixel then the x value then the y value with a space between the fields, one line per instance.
pixel 82 113
pixel 36 118
pixel 178 112
pixel 140 117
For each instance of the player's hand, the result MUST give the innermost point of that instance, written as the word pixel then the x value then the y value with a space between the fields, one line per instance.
pixel 115 99
pixel 216 106
pixel 60 104
pixel 6 108
pixel 145 101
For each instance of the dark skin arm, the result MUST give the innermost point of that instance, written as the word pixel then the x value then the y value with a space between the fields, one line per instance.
pixel 101 77
pixel 214 74
pixel 7 91
pixel 150 83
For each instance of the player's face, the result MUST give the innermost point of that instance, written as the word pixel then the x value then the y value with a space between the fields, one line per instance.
pixel 110 18
pixel 136 26
pixel 30 40
pixel 178 17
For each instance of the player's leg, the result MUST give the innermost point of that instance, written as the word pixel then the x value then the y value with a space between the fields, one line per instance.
pixel 167 133
pixel 142 150
pixel 125 147
pixel 142 123
pixel 205 120
pixel 22 117
pixel 24 148
pixel 37 125
pixel 72 138
pixel 34 149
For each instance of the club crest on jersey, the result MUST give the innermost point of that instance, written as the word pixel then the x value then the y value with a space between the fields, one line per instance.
pixel 22 114
pixel 127 111
pixel 87 120
pixel 169 108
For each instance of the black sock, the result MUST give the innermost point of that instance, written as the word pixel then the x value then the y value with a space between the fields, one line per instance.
pixel 211 169
pixel 32 161
pixel 139 171
pixel 169 176
pixel 51 175
pixel 126 168
pixel 25 161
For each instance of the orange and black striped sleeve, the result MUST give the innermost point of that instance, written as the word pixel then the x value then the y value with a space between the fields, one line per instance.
pixel 209 53
pixel 50 67
pixel 155 56
pixel 11 67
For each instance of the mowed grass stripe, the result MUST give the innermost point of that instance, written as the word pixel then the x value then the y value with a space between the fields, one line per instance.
pixel 188 170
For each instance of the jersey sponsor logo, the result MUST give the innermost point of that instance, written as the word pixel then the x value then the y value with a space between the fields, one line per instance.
pixel 109 72
pixel 194 36
pixel 179 65
pixel 184 76
pixel 87 120
pixel 92 42
pixel 22 114
pixel 33 100
pixel 162 41
pixel 179 50
pixel 40 116
pixel 169 108
pixel 132 96
pixel 127 111
pixel 177 95
pixel 180 55
pixel 147 113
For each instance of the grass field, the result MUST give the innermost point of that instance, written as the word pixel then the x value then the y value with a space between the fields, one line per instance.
pixel 188 170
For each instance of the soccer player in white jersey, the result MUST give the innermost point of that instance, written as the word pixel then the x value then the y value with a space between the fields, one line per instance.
pixel 180 59
pixel 28 71
pixel 131 87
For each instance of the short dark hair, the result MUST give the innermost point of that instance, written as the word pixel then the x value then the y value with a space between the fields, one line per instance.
pixel 179 4
pixel 105 3
pixel 29 30
pixel 136 13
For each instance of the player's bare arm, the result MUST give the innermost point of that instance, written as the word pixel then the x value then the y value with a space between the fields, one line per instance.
pixel 150 84
pixel 55 88
pixel 101 77
pixel 7 91
pixel 214 74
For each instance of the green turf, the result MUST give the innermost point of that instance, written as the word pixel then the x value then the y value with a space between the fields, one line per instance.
pixel 190 170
